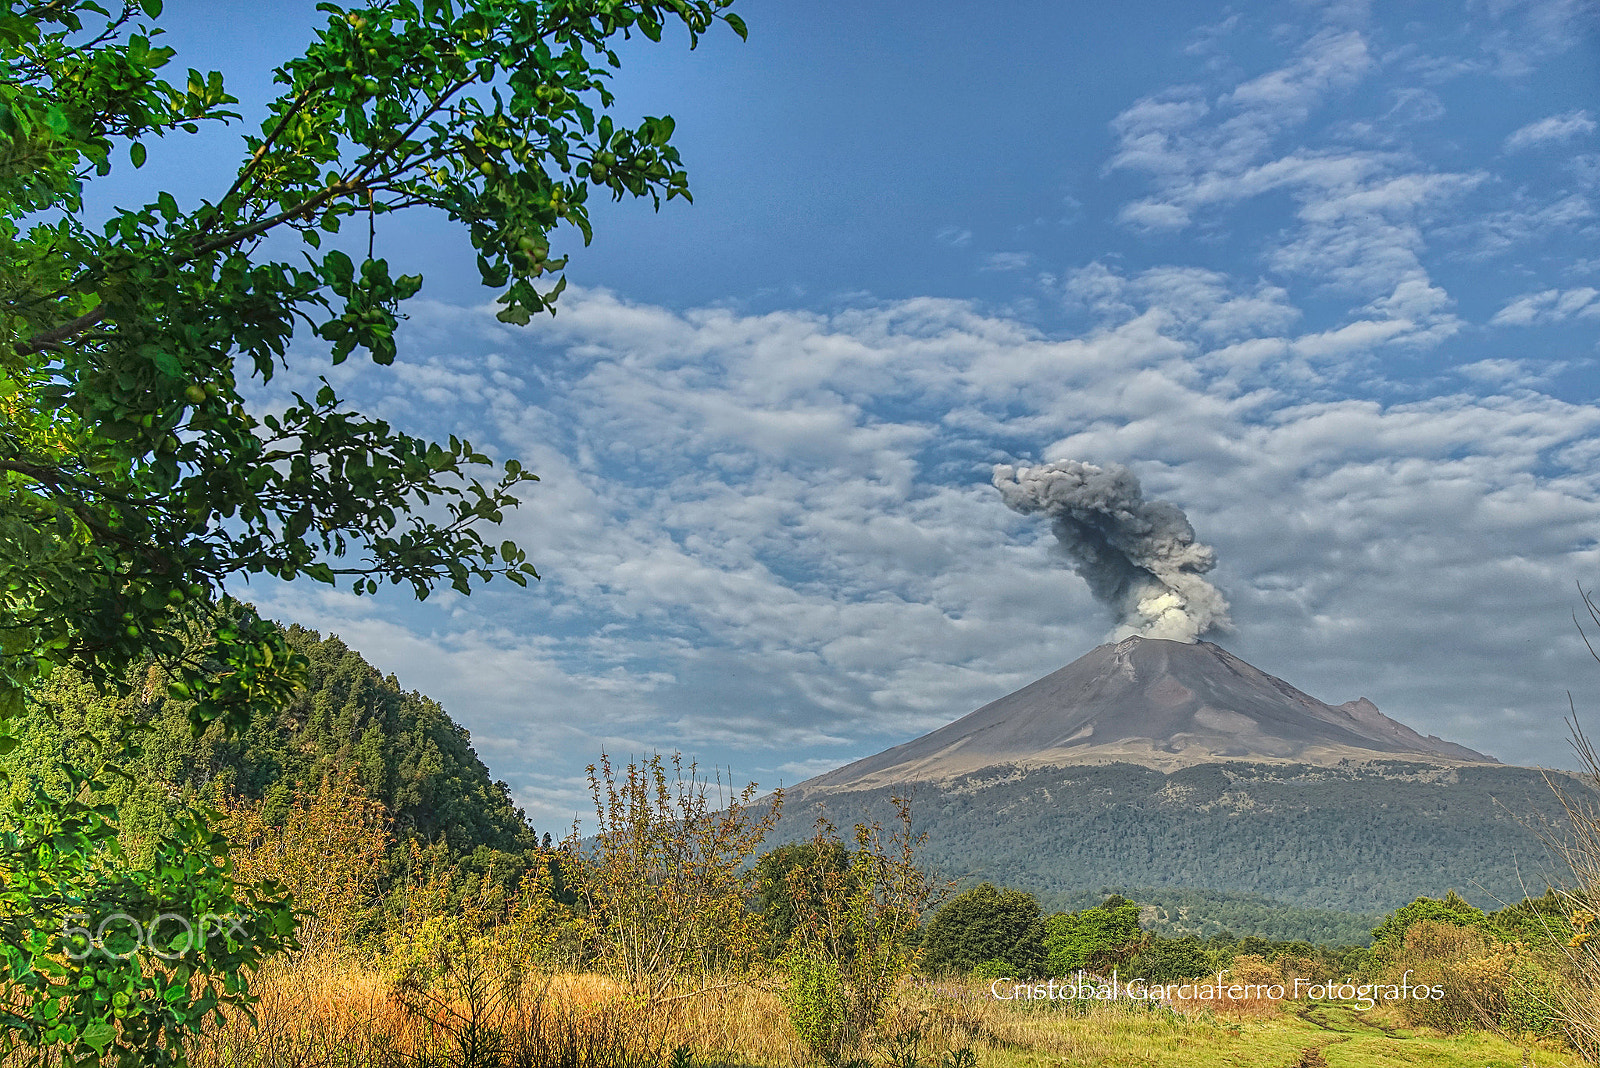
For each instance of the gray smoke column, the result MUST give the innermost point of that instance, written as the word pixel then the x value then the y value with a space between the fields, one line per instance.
pixel 1138 555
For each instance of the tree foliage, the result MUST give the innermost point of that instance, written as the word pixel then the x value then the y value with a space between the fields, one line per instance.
pixel 142 467
pixel 118 962
pixel 986 924
pixel 1292 833
pixel 136 477
pixel 1452 909
pixel 1093 937
pixel 403 748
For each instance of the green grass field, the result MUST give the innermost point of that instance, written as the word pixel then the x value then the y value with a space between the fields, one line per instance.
pixel 1336 1038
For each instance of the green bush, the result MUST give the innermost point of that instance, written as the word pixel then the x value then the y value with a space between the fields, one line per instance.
pixel 994 969
pixel 816 1002
pixel 1096 935
pixel 1452 909
pixel 1534 1004
pixel 986 924
pixel 1163 960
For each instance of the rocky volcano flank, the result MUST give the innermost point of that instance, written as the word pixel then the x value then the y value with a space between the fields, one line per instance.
pixel 1161 704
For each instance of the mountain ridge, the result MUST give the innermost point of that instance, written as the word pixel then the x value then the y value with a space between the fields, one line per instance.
pixel 1151 702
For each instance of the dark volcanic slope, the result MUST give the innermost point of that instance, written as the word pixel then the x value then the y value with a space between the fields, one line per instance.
pixel 1152 702
pixel 1362 837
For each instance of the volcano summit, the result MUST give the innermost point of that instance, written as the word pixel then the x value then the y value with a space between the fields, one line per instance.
pixel 1156 763
pixel 1156 703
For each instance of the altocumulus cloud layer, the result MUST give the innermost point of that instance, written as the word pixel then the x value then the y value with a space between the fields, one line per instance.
pixel 771 539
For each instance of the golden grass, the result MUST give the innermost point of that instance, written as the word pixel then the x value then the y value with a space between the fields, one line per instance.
pixel 347 1015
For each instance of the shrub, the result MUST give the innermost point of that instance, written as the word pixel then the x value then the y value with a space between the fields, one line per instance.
pixel 1094 936
pixel 986 924
pixel 1470 969
pixel 1253 969
pixel 663 888
pixel 818 1007
pixel 1163 960
pixel 789 883
pixel 993 969
pixel 1451 909
pixel 328 848
pixel 863 921
pixel 1535 1000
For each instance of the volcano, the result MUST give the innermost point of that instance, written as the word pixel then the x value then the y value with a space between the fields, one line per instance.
pixel 1152 702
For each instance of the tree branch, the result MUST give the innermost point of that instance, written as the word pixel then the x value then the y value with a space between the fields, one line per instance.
pixel 49 339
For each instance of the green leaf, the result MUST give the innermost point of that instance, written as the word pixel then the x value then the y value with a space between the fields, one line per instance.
pixel 98 1035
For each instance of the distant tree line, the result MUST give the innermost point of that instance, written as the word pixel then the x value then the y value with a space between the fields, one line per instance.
pixel 994 932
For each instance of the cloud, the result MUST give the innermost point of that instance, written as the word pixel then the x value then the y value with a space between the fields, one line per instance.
pixel 1548 130
pixel 769 539
pixel 1529 220
pixel 1511 373
pixel 1549 306
pixel 1007 261
pixel 1359 214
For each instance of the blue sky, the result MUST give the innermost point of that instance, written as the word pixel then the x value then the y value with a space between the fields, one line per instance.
pixel 1325 275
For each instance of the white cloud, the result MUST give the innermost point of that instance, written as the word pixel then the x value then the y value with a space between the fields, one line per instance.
pixel 1007 261
pixel 1563 127
pixel 769 539
pixel 1529 219
pixel 1359 215
pixel 1549 306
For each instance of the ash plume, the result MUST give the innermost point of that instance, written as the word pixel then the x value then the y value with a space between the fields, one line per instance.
pixel 1138 555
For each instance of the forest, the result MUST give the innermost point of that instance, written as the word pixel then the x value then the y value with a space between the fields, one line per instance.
pixel 1292 833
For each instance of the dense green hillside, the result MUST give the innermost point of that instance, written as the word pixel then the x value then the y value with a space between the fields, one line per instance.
pixel 403 747
pixel 1354 838
pixel 1174 913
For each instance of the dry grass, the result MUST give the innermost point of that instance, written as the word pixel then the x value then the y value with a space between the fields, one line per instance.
pixel 346 1015
pixel 329 1015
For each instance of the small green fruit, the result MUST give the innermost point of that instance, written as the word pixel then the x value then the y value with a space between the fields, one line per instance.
pixel 195 394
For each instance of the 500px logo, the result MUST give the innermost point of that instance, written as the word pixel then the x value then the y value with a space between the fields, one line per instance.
pixel 169 935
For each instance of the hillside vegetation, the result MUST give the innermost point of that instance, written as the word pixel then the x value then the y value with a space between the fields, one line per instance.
pixel 685 932
pixel 1176 912
pixel 401 749
pixel 1353 838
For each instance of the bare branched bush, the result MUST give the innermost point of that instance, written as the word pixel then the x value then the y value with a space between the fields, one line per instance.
pixel 663 887
pixel 855 931
pixel 1574 1002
